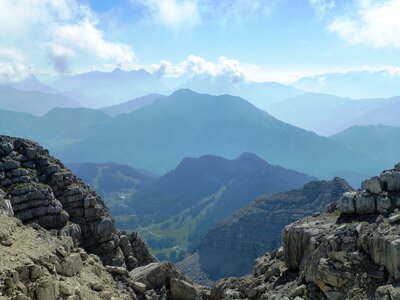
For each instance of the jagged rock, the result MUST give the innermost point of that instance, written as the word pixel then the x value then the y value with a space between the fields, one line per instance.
pixel 70 265
pixel 155 275
pixel 42 260
pixel 352 255
pixel 41 190
pixel 388 292
pixel 232 246
pixel 373 198
pixel 120 271
pixel 47 289
pixel 5 206
pixel 139 287
pixel 182 290
pixel 373 185
pixel 346 204
pixel 41 265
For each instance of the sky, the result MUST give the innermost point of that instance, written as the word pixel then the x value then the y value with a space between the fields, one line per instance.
pixel 278 40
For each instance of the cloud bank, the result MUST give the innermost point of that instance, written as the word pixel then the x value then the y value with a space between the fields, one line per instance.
pixel 374 23
pixel 13 66
pixel 64 31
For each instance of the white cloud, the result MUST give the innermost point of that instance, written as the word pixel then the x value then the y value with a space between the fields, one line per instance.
pixel 322 7
pixel 21 16
pixel 84 36
pixel 375 23
pixel 184 13
pixel 172 13
pixel 195 65
pixel 60 32
pixel 12 66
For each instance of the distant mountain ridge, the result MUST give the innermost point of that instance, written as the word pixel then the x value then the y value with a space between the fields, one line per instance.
pixel 230 248
pixel 177 209
pixel 132 105
pixel 187 124
pixel 32 102
pixel 327 114
pixel 355 84
pixel 376 141
pixel 110 88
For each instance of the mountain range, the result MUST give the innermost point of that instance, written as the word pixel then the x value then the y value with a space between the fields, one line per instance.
pixel 355 84
pixel 379 142
pixel 327 114
pixel 116 87
pixel 110 88
pixel 186 124
pixel 230 248
pixel 131 105
pixel 174 211
pixel 32 102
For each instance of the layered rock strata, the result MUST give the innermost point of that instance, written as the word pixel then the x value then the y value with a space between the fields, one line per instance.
pixel 231 247
pixel 349 253
pixel 41 190
pixel 62 243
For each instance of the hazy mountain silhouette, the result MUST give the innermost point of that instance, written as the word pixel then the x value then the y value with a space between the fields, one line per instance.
pixel 132 105
pixel 186 202
pixel 327 114
pixel 158 136
pixel 379 142
pixel 110 88
pixel 362 84
pixel 32 102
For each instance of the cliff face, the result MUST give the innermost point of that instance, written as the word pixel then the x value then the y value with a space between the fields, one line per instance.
pixel 62 243
pixel 349 253
pixel 231 247
pixel 41 190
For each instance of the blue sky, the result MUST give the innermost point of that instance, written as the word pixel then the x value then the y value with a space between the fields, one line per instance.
pixel 264 39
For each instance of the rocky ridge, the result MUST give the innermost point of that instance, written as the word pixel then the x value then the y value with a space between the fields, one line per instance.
pixel 58 240
pixel 350 252
pixel 230 248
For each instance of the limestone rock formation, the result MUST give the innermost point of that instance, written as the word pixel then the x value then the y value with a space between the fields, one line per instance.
pixel 37 264
pixel 349 253
pixel 62 243
pixel 231 247
pixel 41 190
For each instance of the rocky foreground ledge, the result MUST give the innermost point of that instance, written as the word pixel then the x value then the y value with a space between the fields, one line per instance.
pixel 58 240
pixel 350 252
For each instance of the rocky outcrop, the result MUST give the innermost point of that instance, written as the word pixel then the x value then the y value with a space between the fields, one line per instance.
pixel 374 197
pixel 349 253
pixel 231 247
pixel 36 264
pixel 41 190
pixel 62 243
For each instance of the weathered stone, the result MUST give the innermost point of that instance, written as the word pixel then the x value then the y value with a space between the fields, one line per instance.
pixel 41 190
pixel 383 205
pixel 365 204
pixel 70 265
pixel 6 208
pixel 182 290
pixel 138 287
pixel 120 271
pixel 346 204
pixel 391 180
pixel 156 275
pixel 373 185
pixel 46 289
